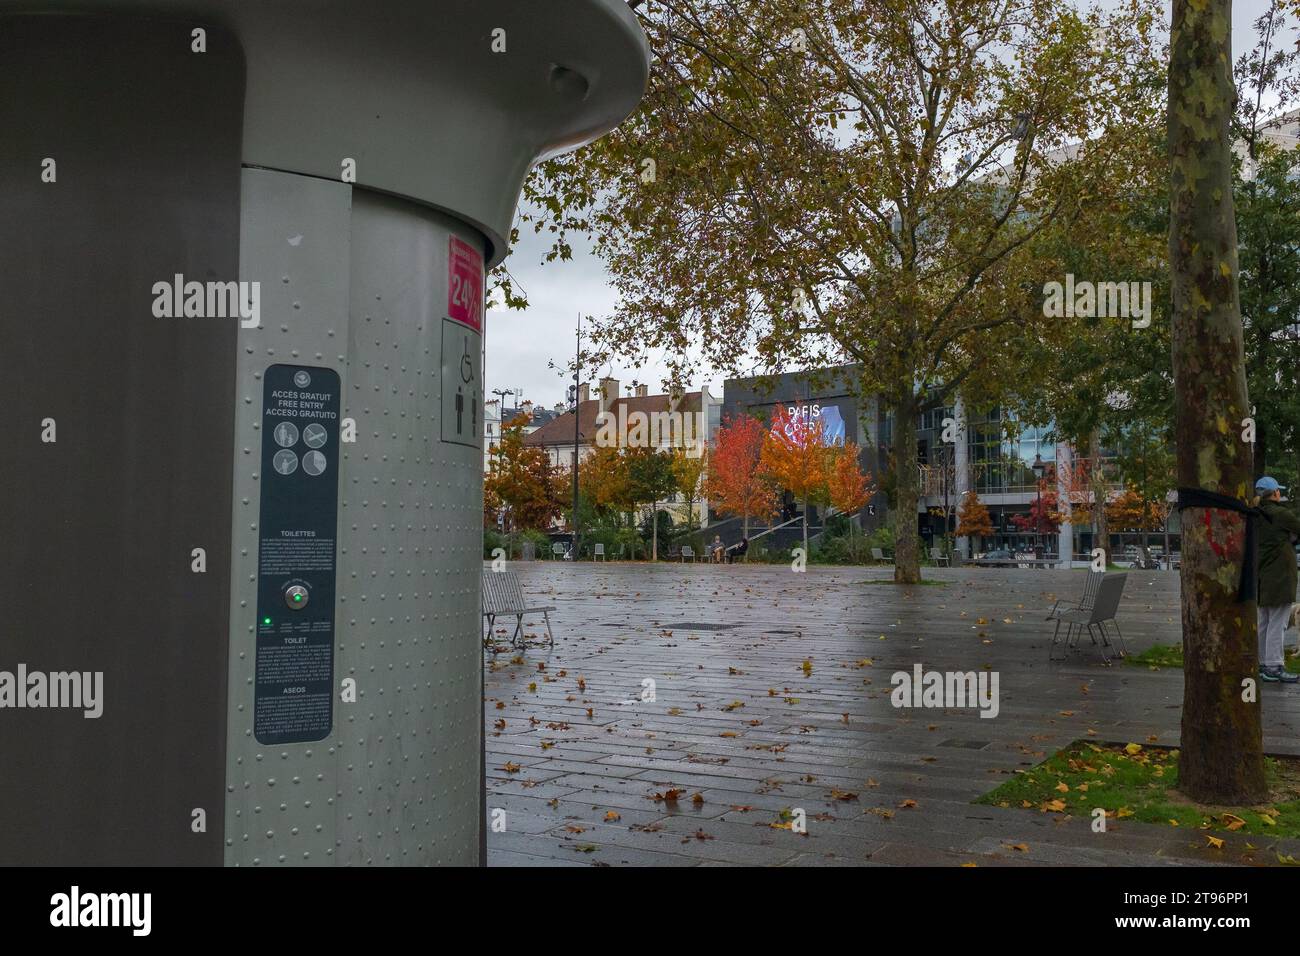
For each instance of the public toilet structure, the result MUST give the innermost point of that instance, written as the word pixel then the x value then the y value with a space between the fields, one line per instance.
pixel 242 254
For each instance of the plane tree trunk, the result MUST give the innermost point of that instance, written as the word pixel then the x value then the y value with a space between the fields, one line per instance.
pixel 1222 760
pixel 907 557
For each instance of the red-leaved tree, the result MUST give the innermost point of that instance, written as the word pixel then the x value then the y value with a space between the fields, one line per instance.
pixel 735 485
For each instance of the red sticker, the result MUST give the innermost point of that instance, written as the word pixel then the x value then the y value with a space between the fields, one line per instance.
pixel 465 285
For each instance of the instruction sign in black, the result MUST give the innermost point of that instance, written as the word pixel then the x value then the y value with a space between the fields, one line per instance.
pixel 294 686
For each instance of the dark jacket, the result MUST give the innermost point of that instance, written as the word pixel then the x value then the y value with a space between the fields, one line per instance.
pixel 1277 560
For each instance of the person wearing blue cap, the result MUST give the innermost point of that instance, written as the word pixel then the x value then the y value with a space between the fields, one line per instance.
pixel 1277 577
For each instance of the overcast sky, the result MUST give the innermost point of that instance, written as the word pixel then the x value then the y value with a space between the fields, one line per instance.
pixel 520 344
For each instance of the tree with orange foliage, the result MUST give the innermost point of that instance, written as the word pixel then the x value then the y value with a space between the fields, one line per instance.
pixel 607 481
pixel 849 488
pixel 521 479
pixel 736 484
pixel 973 519
pixel 1130 511
pixel 796 457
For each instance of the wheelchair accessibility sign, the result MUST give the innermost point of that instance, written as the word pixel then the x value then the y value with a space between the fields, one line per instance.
pixel 462 388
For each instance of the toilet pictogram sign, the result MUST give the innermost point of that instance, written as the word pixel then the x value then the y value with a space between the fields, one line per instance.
pixel 462 390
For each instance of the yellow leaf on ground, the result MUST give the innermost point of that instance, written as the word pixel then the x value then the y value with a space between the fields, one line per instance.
pixel 1214 842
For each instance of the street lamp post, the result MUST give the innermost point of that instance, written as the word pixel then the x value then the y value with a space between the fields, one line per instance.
pixel 1039 468
pixel 577 419
pixel 950 452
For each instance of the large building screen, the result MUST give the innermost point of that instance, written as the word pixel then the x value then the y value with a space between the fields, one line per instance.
pixel 825 417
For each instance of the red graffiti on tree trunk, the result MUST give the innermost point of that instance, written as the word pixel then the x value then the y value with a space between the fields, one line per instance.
pixel 1232 542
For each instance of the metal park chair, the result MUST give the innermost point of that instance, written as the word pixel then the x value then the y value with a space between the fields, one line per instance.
pixel 687 552
pixel 1095 613
pixel 938 557
pixel 503 596
pixel 878 554
pixel 598 551
pixel 557 549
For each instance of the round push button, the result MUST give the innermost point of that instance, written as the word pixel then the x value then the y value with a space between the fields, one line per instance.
pixel 296 597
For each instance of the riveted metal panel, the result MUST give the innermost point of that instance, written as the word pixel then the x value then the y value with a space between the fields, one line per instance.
pixel 281 800
pixel 410 558
pixel 357 282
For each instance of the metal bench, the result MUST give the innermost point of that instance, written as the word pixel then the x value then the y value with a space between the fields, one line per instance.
pixel 688 552
pixel 1097 609
pixel 1013 562
pixel 502 596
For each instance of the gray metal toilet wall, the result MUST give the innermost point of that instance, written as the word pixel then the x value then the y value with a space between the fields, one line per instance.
pixel 357 282
pixel 98 526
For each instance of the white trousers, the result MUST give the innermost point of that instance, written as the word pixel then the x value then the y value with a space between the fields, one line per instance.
pixel 1272 626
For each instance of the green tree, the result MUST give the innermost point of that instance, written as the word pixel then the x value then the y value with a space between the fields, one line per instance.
pixel 1268 223
pixel 1145 465
pixel 1267 192
pixel 651 477
pixel 689 471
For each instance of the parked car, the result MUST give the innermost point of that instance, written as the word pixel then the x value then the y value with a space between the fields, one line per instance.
pixel 999 554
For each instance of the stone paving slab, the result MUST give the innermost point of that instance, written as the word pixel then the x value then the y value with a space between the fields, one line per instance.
pixel 772 689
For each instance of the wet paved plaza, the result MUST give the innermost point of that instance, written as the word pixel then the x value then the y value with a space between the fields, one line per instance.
pixel 686 710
